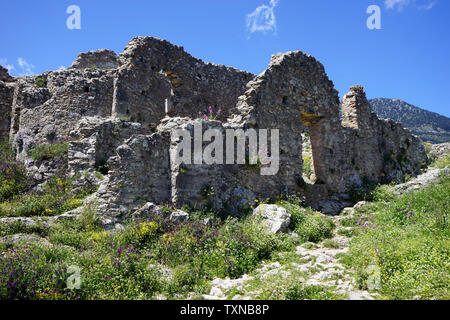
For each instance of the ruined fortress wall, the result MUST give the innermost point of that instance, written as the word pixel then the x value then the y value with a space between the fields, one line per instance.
pixel 100 59
pixel 6 98
pixel 131 183
pixel 152 71
pixel 118 112
pixel 381 150
pixel 292 95
pixel 49 112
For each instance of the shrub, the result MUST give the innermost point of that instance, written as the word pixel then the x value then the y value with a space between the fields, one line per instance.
pixel 40 82
pixel 315 228
pixel 19 227
pixel 307 165
pixel 55 198
pixel 27 274
pixel 46 151
pixel 14 179
pixel 444 162
pixel 309 225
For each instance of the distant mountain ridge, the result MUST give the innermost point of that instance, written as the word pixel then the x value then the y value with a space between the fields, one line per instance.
pixel 427 125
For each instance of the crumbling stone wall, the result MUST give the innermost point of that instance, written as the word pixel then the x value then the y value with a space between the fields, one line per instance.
pixel 379 150
pixel 131 183
pixel 95 140
pixel 6 98
pixel 295 93
pixel 153 71
pixel 48 113
pixel 100 59
pixel 119 112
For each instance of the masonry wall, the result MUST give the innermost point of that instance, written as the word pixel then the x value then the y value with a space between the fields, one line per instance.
pixel 121 110
pixel 153 70
pixel 6 98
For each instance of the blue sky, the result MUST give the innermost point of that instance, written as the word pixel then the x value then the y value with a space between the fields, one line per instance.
pixel 407 59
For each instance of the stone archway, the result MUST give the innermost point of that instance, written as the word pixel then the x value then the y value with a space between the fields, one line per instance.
pixel 293 95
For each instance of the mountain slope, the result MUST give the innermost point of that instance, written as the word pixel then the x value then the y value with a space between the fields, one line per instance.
pixel 429 126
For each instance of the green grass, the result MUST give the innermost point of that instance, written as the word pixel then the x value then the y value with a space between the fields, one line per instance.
pixel 444 162
pixel 19 227
pixel 40 82
pixel 408 242
pixel 124 264
pixel 302 292
pixel 46 151
pixel 307 165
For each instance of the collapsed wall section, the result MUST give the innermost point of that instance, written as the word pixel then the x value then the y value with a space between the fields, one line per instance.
pixel 379 150
pixel 47 107
pixel 156 76
pixel 130 183
pixel 99 59
pixel 292 94
pixel 120 120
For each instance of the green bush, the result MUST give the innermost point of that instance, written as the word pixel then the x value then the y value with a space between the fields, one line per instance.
pixel 26 273
pixel 19 227
pixel 309 225
pixel 40 82
pixel 46 151
pixel 55 198
pixel 444 162
pixel 307 165
pixel 14 179
pixel 315 228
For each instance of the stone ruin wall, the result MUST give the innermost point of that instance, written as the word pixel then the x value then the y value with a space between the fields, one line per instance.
pixel 118 112
pixel 154 72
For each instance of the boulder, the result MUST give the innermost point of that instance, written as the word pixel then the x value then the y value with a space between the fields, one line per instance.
pixel 148 210
pixel 179 216
pixel 275 217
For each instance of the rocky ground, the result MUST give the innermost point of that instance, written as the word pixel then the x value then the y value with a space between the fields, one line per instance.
pixel 317 264
pixel 311 264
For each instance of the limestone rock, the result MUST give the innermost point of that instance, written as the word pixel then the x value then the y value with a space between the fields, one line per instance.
pixel 439 150
pixel 428 178
pixel 20 238
pixel 275 217
pixel 147 211
pixel 179 216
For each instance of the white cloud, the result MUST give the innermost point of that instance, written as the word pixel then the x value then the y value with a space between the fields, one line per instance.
pixel 4 62
pixel 61 68
pixel 263 18
pixel 27 69
pixel 400 5
pixel 428 6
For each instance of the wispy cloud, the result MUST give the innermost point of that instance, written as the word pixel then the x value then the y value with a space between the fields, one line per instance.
pixel 4 62
pixel 27 69
pixel 400 5
pixel 263 18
